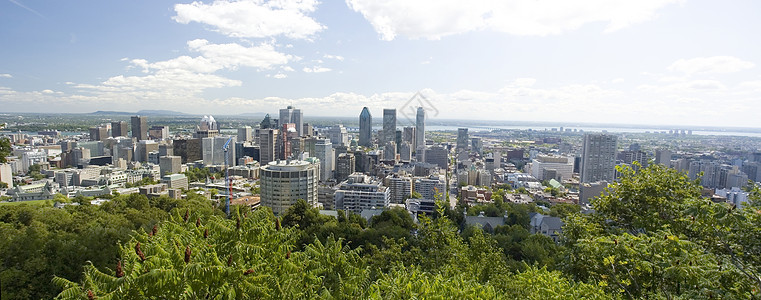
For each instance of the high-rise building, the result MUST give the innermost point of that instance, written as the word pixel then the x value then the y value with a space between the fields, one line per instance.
pixel 405 151
pixel 408 135
pixel 629 157
pixel 244 134
pixel 170 164
pixel 437 155
pixel 365 128
pixel 212 151
pixel 208 127
pixel 99 133
pixel 663 156
pixel 158 132
pixel 399 187
pixel 293 115
pixel 430 187
pixel 345 166
pixel 598 157
pixel 477 144
pixel 323 150
pixel 546 167
pixel 284 182
pixel 118 128
pixel 140 127
pixel 420 128
pixel 360 192
pixel 462 139
pixel 389 151
pixel 389 126
pixel 267 142
pixel 338 135
pixel 268 123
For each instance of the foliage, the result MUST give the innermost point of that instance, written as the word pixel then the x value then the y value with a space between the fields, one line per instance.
pixel 40 241
pixel 654 237
pixel 5 149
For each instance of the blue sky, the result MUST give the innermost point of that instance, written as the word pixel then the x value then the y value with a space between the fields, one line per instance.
pixel 639 62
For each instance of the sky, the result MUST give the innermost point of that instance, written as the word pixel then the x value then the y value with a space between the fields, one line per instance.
pixel 653 62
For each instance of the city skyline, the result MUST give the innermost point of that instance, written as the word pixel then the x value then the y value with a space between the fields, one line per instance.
pixel 660 62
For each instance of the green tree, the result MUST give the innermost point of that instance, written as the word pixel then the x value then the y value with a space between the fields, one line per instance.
pixel 5 149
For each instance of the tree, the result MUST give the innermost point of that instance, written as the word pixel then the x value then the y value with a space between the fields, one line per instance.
pixel 5 149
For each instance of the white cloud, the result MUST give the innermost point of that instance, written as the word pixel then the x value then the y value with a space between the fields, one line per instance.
pixel 336 57
pixel 617 80
pixel 316 69
pixel 215 57
pixel 6 76
pixel 253 18
pixel 710 65
pixel 280 76
pixel 433 19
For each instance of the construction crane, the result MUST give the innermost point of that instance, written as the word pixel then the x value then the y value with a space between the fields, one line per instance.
pixel 227 178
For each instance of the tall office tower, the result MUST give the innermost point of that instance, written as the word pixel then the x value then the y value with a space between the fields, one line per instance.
pixel 462 139
pixel 477 144
pixel 267 141
pixel 268 123
pixel 283 182
pixel 213 154
pixel 98 133
pixel 244 134
pixel 293 115
pixel 338 135
pixel 287 133
pixel 408 135
pixel 118 129
pixel 323 150
pixel 389 126
pixel 663 156
pixel 345 166
pixel 420 128
pixel 365 128
pixel 143 148
pixel 437 155
pixel 208 127
pixel 389 151
pixel 140 127
pixel 405 151
pixel 308 130
pixel 598 157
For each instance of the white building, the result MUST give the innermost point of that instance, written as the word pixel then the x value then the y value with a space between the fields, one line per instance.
pixel 544 166
pixel 431 186
pixel 400 188
pixel 284 182
pixel 360 192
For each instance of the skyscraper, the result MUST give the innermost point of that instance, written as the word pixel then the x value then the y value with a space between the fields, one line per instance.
pixel 140 127
pixel 323 150
pixel 365 128
pixel 293 115
pixel 598 157
pixel 267 141
pixel 389 126
pixel 462 139
pixel 118 128
pixel 244 134
pixel 420 128
pixel 208 127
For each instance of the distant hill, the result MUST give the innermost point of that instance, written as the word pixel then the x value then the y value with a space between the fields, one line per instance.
pixel 161 113
pixel 142 113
